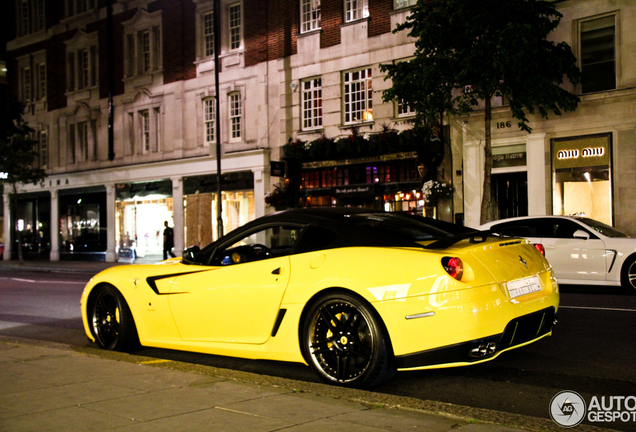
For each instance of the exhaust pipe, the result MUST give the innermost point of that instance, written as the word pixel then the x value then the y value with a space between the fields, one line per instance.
pixel 483 350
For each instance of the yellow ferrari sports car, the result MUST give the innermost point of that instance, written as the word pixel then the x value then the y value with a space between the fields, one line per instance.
pixel 355 294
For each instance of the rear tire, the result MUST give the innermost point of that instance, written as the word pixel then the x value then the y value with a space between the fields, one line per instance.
pixel 111 321
pixel 628 274
pixel 345 343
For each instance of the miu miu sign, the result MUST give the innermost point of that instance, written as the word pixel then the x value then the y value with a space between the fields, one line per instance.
pixel 586 152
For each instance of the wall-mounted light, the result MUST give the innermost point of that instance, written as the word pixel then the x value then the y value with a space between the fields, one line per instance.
pixel 293 86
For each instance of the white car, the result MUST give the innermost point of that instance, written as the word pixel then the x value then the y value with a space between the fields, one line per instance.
pixel 581 250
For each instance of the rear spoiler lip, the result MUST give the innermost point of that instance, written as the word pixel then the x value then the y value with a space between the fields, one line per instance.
pixel 475 237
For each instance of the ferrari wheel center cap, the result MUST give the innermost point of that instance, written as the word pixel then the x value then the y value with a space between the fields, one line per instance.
pixel 344 340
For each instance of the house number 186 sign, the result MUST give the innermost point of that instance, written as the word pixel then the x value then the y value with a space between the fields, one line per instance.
pixel 503 125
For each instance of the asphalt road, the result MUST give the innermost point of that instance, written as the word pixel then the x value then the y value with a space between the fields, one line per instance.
pixel 591 352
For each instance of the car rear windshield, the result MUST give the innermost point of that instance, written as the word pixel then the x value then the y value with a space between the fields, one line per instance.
pixel 602 228
pixel 412 227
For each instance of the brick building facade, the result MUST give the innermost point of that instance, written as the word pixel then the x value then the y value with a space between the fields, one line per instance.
pixel 292 70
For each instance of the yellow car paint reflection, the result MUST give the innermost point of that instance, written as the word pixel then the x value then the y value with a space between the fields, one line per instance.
pixel 334 290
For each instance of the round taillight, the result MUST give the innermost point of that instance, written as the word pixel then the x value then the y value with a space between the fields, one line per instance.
pixel 454 267
pixel 540 248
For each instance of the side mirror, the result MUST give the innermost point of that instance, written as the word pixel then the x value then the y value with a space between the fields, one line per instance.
pixel 191 255
pixel 580 234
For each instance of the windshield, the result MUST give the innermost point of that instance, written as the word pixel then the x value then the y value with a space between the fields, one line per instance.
pixel 602 228
pixel 412 227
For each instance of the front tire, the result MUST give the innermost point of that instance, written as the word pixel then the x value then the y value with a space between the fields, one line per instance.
pixel 628 274
pixel 111 322
pixel 345 344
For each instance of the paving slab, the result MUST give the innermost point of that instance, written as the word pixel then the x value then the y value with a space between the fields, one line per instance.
pixel 55 387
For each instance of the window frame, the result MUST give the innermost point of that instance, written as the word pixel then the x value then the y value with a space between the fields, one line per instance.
pixel 235 116
pixel 615 52
pixel 316 121
pixel 355 10
pixel 26 84
pixel 347 96
pixel 403 111
pixel 209 119
pixel 207 34
pixel 403 4
pixel 30 16
pixel 234 30
pixel 81 62
pixel 144 123
pixel 143 44
pixel 310 16
pixel 43 140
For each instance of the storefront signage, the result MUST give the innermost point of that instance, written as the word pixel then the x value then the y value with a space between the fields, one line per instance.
pixel 580 153
pixel 277 168
pixel 361 160
pixel 354 191
pixel 586 152
pixel 509 156
pixel 508 160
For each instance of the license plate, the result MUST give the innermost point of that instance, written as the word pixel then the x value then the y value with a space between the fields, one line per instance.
pixel 523 286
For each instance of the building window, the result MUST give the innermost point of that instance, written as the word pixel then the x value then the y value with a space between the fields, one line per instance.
pixel 236 116
pixel 41 80
pixel 30 16
pixel 358 96
pixel 76 7
pixel 82 138
pixel 26 84
pixel 209 120
pixel 234 14
pixel 82 68
pixel 144 51
pixel 404 110
pixel 44 149
pixel 598 56
pixel 355 10
pixel 144 119
pixel 312 103
pixel 71 143
pixel 208 34
pixel 309 15
pixel 81 62
pixel 399 4
pixel 143 44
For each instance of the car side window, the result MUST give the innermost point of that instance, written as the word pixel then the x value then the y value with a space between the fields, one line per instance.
pixel 314 239
pixel 273 241
pixel 566 229
pixel 521 228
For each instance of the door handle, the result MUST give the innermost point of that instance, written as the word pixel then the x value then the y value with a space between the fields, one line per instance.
pixel 276 271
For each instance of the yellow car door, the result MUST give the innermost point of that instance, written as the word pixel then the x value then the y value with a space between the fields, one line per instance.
pixel 235 303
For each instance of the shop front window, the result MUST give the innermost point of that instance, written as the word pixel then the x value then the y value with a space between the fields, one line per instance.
pixel 200 206
pixel 82 225
pixel 582 178
pixel 141 210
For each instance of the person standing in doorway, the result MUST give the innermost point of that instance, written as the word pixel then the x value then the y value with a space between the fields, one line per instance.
pixel 168 241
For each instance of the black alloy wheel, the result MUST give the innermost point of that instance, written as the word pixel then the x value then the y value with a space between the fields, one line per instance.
pixel 111 322
pixel 345 344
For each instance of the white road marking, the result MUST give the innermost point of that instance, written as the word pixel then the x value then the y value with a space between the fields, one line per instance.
pixel 43 281
pixel 598 308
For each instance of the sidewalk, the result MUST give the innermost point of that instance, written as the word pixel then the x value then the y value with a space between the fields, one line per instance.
pixel 54 387
pixel 57 388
